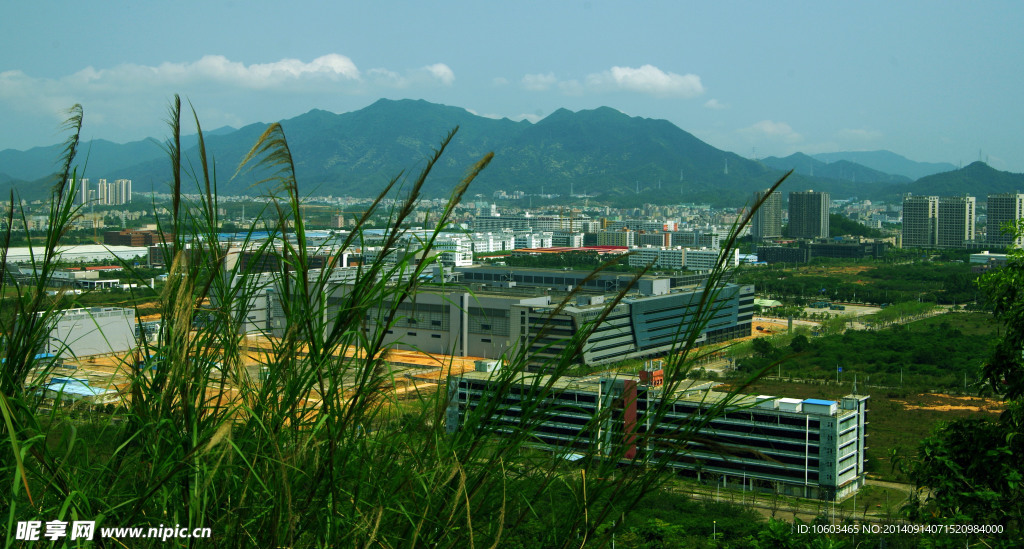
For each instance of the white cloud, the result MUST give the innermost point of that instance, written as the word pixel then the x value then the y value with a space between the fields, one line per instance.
pixel 647 79
pixel 571 87
pixel 499 81
pixel 516 118
pixel 221 70
pixel 128 99
pixel 539 82
pixel 441 72
pixel 332 72
pixel 429 75
pixel 771 130
pixel 715 105
pixel 385 78
pixel 534 118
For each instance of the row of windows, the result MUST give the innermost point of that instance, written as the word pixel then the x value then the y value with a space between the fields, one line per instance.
pixel 750 469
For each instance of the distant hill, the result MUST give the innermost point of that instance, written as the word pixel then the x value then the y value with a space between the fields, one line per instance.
pixel 38 189
pixel 602 152
pixel 843 170
pixel 98 158
pixel 976 179
pixel 888 162
pixel 614 158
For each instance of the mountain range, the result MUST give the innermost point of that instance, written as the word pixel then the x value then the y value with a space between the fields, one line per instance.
pixel 614 158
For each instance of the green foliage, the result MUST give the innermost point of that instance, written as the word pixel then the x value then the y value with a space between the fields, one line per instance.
pixel 973 471
pixel 1004 289
pixel 928 354
pixel 799 343
pixel 881 282
pixel 972 467
pixel 763 348
pixel 898 313
pixel 840 225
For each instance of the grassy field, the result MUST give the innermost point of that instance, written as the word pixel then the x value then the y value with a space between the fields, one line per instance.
pixel 896 420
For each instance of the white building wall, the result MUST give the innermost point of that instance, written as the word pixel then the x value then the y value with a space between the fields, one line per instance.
pixel 94 331
pixel 705 259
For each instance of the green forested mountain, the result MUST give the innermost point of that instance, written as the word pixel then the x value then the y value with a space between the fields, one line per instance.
pixel 600 152
pixel 977 179
pixel 603 153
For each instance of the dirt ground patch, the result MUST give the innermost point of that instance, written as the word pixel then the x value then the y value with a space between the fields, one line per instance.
pixel 951 403
pixel 768 328
pixel 854 269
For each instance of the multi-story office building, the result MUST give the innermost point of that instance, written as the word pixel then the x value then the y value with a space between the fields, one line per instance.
pixel 492 242
pixel 808 214
pixel 623 238
pixel 697 238
pixel 805 251
pixel 767 221
pixel 500 317
pixel 783 254
pixel 646 225
pixel 955 228
pixel 455 250
pixel 528 222
pixel 534 240
pixel 693 259
pixel 705 259
pixel 653 239
pixel 453 320
pixel 810 448
pixel 658 257
pixel 1004 209
pixel 637 326
pixel 567 239
pixel 130 237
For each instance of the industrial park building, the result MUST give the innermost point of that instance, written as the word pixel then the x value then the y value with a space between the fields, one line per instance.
pixel 637 326
pixel 92 331
pixel 808 448
pixel 468 317
pixel 492 312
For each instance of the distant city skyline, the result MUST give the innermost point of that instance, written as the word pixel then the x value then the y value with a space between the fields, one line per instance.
pixel 932 81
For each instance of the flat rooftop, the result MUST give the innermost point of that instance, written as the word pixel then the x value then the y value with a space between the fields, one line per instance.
pixel 691 391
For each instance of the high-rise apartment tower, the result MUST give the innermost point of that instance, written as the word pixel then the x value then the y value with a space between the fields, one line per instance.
pixel 767 221
pixel 808 214
pixel 1004 209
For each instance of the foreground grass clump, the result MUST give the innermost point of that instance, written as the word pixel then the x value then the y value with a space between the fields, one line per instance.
pixel 317 454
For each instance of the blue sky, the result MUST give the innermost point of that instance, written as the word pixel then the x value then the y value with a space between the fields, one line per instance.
pixel 933 81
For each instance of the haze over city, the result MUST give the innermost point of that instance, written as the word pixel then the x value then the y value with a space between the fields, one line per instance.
pixel 935 82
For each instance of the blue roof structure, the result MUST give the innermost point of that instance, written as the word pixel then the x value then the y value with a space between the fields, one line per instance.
pixel 74 387
pixel 819 402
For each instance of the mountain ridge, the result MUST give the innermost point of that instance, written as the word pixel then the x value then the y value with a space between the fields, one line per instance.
pixel 611 156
